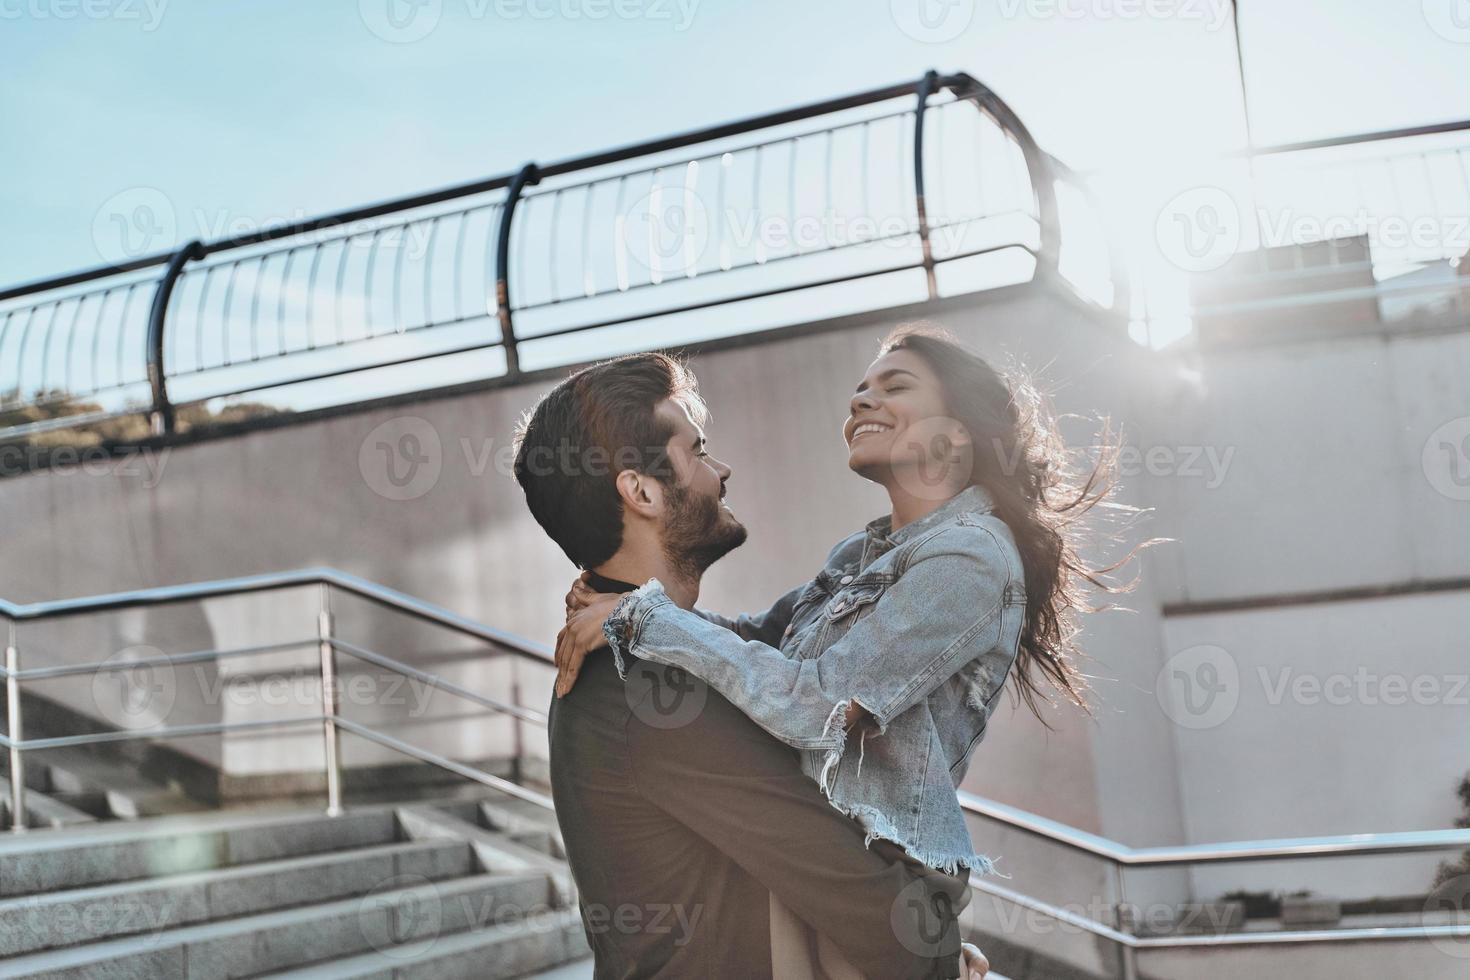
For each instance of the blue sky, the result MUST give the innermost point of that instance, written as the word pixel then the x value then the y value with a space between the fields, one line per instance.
pixel 246 113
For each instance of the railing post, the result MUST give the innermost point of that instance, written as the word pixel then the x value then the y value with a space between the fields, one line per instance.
pixel 162 415
pixel 13 732
pixel 529 174
pixel 331 739
pixel 1124 917
pixel 926 88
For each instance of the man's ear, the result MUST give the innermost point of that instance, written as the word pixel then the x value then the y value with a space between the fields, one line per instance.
pixel 641 493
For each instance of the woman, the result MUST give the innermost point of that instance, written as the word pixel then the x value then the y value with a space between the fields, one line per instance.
pixel 912 627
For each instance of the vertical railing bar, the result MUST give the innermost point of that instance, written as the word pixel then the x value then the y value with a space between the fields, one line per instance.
pixel 589 283
pixel 654 196
pixel 50 333
pixel 1433 198
pixel 926 87
pixel 457 311
pixel 71 331
pixel 331 739
pixel 341 288
pixel 864 175
pixel 528 174
pixel 20 362
pixel 492 231
pixel 518 268
pixel 316 261
pixel 122 332
pixel 255 308
pixel 4 331
pixel 827 185
pixel 551 244
pixel 71 338
pixel 791 218
pixel 429 270
pixel 721 258
pixel 281 302
pixel 397 320
pixel 367 283
pixel 224 318
pixel 620 238
pixel 755 208
pixel 199 321
pixel 13 730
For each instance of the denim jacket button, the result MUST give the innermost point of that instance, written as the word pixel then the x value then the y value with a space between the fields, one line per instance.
pixel 845 580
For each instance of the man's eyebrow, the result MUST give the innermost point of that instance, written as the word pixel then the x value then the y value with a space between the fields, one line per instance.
pixel 888 374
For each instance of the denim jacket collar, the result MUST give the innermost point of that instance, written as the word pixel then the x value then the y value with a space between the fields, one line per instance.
pixel 971 500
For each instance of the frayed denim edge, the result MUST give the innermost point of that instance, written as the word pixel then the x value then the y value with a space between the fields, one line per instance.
pixel 615 628
pixel 874 821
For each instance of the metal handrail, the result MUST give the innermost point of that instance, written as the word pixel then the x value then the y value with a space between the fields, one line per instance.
pixel 162 407
pixel 1119 855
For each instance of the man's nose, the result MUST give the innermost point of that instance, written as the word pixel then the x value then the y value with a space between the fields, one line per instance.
pixel 722 469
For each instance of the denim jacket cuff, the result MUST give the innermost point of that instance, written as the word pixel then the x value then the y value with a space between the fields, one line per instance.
pixel 623 627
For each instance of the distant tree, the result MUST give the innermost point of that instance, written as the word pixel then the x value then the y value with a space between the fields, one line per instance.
pixel 133 427
pixel 1448 871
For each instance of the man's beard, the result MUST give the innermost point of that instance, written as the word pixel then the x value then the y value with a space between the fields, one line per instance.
pixel 698 531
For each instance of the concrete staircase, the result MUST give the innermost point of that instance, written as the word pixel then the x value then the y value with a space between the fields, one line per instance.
pixel 456 888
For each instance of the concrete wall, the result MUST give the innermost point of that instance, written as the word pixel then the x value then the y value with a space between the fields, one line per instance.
pixel 1316 482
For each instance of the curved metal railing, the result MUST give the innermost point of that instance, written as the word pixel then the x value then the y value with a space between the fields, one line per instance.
pixel 891 181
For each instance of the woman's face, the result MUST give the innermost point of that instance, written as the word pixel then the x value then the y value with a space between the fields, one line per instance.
pixel 897 420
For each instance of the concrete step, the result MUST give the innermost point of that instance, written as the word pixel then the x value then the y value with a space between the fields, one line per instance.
pixel 496 952
pixel 42 809
pixel 385 920
pixel 106 852
pixel 81 915
pixel 129 795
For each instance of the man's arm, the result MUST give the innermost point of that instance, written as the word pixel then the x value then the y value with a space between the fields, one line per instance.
pixel 745 793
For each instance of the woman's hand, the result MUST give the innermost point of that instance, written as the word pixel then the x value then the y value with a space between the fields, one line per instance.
pixel 582 634
pixel 973 964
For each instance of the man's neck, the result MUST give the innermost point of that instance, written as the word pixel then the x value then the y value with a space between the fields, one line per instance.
pixel 629 566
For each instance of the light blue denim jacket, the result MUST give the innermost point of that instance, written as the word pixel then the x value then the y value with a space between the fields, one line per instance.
pixel 919 626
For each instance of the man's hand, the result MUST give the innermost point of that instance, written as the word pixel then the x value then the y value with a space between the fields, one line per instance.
pixel 581 635
pixel 973 964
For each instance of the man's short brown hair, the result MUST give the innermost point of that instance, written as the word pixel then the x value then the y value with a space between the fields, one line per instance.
pixel 590 427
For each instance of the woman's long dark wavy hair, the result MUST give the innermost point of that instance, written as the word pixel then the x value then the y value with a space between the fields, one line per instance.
pixel 1040 491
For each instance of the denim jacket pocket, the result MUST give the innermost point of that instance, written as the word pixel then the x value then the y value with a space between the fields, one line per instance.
pixel 847 602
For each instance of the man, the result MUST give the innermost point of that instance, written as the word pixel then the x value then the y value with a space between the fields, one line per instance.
pixel 682 819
